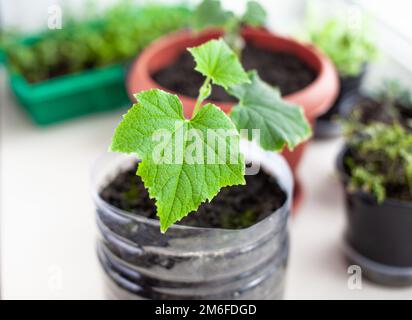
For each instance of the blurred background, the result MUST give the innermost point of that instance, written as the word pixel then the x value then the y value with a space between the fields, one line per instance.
pixel 49 140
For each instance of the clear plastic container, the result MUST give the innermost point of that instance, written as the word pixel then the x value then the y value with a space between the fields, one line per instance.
pixel 188 262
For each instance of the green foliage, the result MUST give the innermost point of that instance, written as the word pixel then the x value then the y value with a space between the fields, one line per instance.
pixel 381 159
pixel 261 106
pixel 210 13
pixel 349 48
pixel 255 15
pixel 179 186
pixel 391 103
pixel 368 182
pixel 215 60
pixel 394 93
pixel 117 35
pixel 187 168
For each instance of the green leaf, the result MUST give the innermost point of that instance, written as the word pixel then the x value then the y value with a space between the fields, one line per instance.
pixel 217 61
pixel 210 13
pixel 255 14
pixel 179 184
pixel 261 107
pixel 369 182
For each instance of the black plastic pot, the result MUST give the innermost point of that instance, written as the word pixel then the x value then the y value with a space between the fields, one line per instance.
pixel 189 262
pixel 378 237
pixel 326 126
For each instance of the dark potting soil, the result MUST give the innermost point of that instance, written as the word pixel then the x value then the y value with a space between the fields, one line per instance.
pixel 234 207
pixel 369 110
pixel 281 69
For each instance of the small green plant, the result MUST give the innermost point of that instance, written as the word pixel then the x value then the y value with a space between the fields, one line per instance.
pixel 393 94
pixel 185 162
pixel 115 36
pixel 210 13
pixel 381 160
pixel 349 48
pixel 391 103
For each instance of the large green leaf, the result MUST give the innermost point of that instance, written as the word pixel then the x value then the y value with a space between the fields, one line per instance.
pixel 217 61
pixel 261 107
pixel 178 181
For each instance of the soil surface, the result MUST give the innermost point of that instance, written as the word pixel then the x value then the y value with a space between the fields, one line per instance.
pixel 280 69
pixel 369 110
pixel 234 207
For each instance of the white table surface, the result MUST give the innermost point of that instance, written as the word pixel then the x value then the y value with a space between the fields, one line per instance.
pixel 47 217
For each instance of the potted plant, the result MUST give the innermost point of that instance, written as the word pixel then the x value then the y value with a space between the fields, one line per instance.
pixel 304 75
pixel 234 245
pixel 350 49
pixel 81 68
pixel 392 103
pixel 376 170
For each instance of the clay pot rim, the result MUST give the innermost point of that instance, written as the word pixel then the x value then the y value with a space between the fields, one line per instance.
pixel 139 70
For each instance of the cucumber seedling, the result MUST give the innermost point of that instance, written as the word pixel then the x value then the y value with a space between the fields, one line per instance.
pixel 185 162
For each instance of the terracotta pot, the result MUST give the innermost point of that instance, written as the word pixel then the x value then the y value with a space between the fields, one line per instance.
pixel 315 99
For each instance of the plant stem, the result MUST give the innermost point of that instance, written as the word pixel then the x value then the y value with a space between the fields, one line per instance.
pixel 238 48
pixel 204 92
pixel 233 38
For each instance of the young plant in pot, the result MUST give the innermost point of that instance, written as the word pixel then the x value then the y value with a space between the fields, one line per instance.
pixel 376 171
pixel 303 75
pixel 390 104
pixel 169 232
pixel 350 49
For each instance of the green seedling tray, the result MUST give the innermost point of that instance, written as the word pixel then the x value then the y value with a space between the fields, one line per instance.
pixel 73 95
